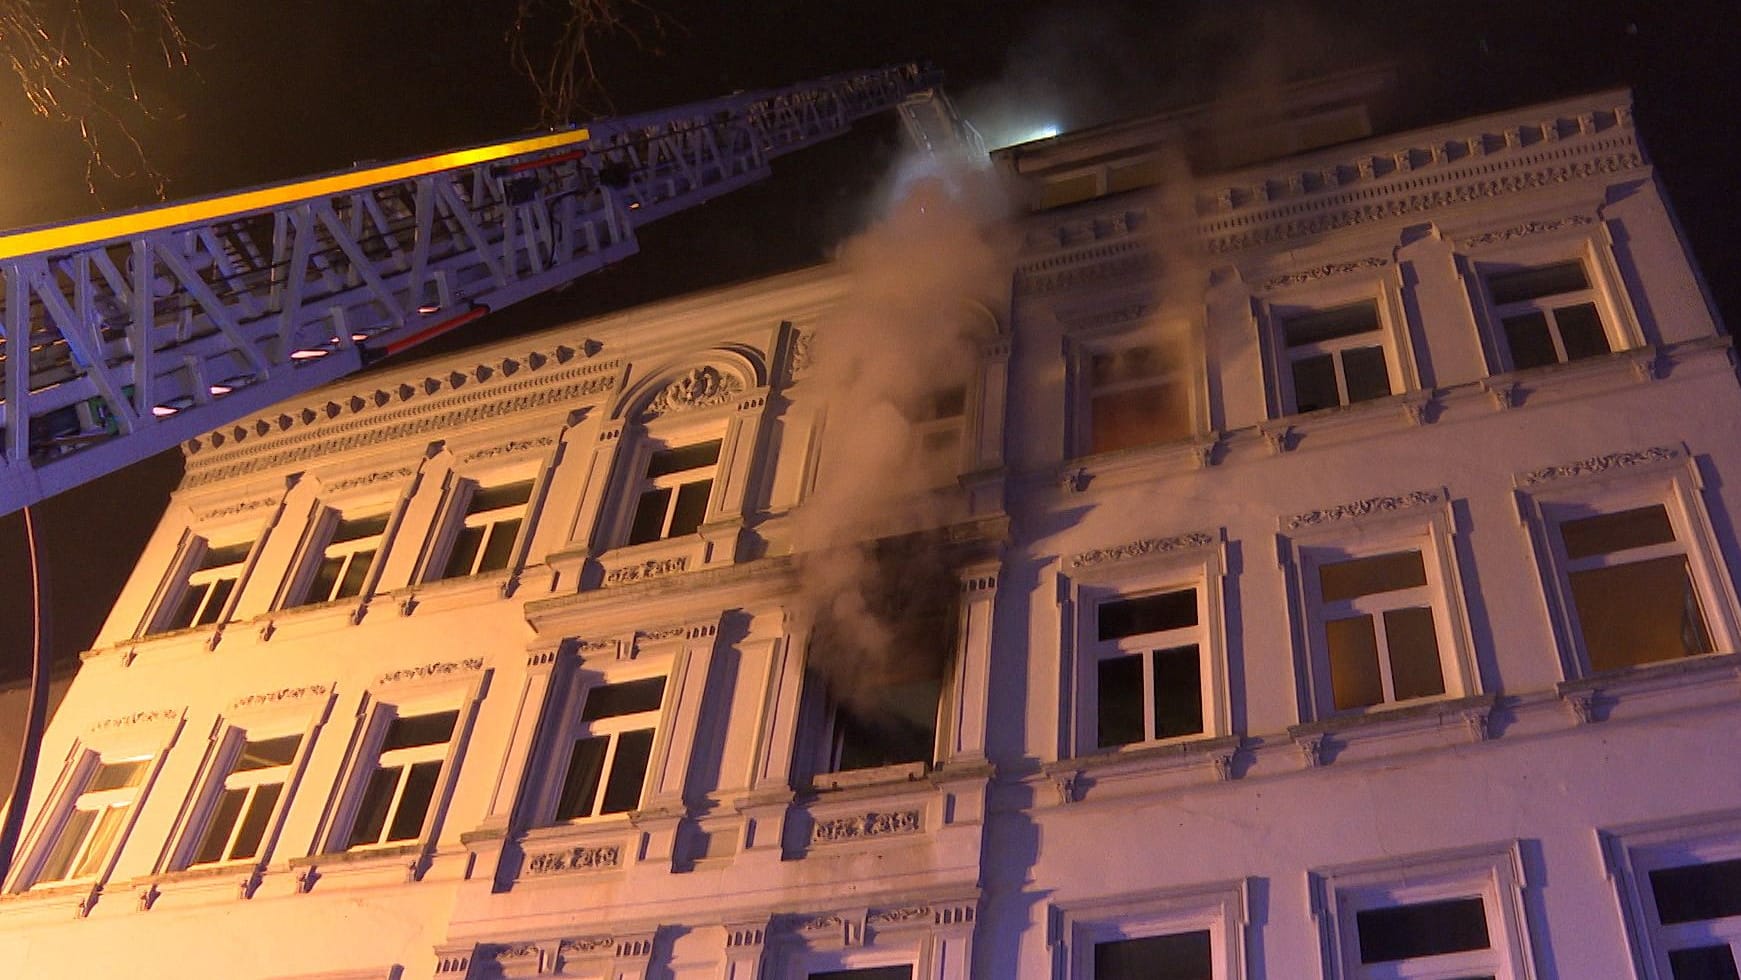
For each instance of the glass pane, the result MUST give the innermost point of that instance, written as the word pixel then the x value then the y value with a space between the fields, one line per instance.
pixel 1138 417
pixel 118 775
pixel 326 576
pixel 233 554
pixel 1428 929
pixel 465 552
pixel 496 498
pixel 628 772
pixel 1315 383
pixel 355 573
pixel 1703 963
pixel 668 461
pixel 1608 533
pixel 254 824
pixel 359 528
pixel 1639 613
pixel 501 546
pixel 1581 331
pixel 650 516
pixel 1369 576
pixel 1354 678
pixel 1366 374
pixel 1148 614
pixel 1321 325
pixel 1414 653
pixel 691 508
pixel 580 785
pixel 66 845
pixel 372 811
pixel 1178 692
pixel 868 973
pixel 267 752
pixel 1186 956
pixel 1531 344
pixel 1548 280
pixel 414 802
pixel 405 732
pixel 1697 891
pixel 217 836
pixel 214 607
pixel 108 828
pixel 888 723
pixel 628 698
pixel 191 598
pixel 1119 711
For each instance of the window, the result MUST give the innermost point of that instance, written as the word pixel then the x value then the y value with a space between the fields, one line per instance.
pixel 1682 897
pixel 1380 628
pixel 394 802
pixel 1181 956
pixel 902 972
pixel 209 586
pixel 1548 314
pixel 1448 936
pixel 613 744
pixel 886 717
pixel 1149 679
pixel 484 540
pixel 344 563
pixel 1631 588
pixel 674 493
pixel 938 432
pixel 1137 396
pixel 1178 934
pixel 1335 356
pixel 93 825
pixel 241 813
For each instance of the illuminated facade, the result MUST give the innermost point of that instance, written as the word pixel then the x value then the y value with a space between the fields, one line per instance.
pixel 1345 592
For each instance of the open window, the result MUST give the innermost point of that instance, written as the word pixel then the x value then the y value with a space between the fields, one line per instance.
pixel 485 528
pixel 340 567
pixel 208 585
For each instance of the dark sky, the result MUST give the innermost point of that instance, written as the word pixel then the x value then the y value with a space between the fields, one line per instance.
pixel 283 89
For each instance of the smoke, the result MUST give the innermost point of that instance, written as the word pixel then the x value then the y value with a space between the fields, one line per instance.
pixel 910 330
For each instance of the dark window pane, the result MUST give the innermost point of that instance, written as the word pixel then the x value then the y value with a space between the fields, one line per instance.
pixel 1119 711
pixel 1548 280
pixel 691 507
pixel 464 553
pixel 1639 613
pixel 66 845
pixel 215 599
pixel 501 546
pixel 267 752
pixel 1428 929
pixel 1414 653
pixel 1581 331
pixel 1607 533
pixel 1703 963
pixel 1141 416
pixel 628 772
pixel 191 598
pixel 355 572
pixel 869 973
pixel 1354 677
pixel 217 836
pixel 650 516
pixel 1186 956
pixel 228 555
pixel 1369 576
pixel 668 461
pixel 888 724
pixel 1366 373
pixel 1697 891
pixel 406 731
pixel 118 775
pixel 496 498
pixel 1531 344
pixel 1178 692
pixel 1148 614
pixel 359 528
pixel 1315 383
pixel 414 801
pixel 326 575
pixel 372 810
pixel 580 785
pixel 254 824
pixel 631 697
pixel 1321 325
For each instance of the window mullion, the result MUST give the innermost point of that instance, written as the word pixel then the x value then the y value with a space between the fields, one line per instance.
pixel 604 772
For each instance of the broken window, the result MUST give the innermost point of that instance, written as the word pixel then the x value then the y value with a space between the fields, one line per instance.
pixel 345 559
pixel 674 492
pixel 1336 356
pixel 1149 675
pixel 612 746
pixel 93 825
pixel 1548 314
pixel 1137 396
pixel 488 527
pixel 241 813
pixel 1632 588
pixel 1379 631
pixel 395 801
pixel 205 596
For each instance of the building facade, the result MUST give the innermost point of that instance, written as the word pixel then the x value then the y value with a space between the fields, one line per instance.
pixel 1323 568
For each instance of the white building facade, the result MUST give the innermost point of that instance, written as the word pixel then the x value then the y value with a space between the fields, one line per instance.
pixel 1328 572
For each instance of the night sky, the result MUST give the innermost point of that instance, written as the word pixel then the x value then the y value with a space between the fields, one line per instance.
pixel 282 89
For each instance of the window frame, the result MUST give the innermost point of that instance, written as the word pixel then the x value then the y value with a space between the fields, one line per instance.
pixel 1219 908
pixel 1384 291
pixel 1590 247
pixel 651 441
pixel 375 716
pixel 186 569
pixel 1631 852
pixel 457 517
pixel 572 729
pixel 231 737
pixel 1181 336
pixel 327 520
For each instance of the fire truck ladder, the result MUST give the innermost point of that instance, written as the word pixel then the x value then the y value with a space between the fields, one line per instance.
pixel 145 328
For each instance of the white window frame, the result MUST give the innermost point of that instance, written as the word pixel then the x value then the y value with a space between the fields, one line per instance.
pixel 187 575
pixel 459 519
pixel 322 547
pixel 1632 852
pixel 1590 247
pixel 652 442
pixel 1178 336
pixel 125 799
pixel 370 758
pixel 1665 475
pixel 221 775
pixel 573 729
pixel 1494 873
pixel 1220 909
pixel 1383 290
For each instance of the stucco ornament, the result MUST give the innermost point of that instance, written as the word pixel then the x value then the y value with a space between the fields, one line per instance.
pixel 702 387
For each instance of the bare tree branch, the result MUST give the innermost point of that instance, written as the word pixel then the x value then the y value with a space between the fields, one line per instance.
pixel 552 43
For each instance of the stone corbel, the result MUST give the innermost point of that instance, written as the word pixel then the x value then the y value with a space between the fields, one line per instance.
pixel 1503 393
pixel 1311 749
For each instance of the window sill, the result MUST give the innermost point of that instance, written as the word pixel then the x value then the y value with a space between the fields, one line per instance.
pixel 712 544
pixel 58 901
pixel 1120 466
pixel 1647 689
pixel 905 772
pixel 447 593
pixel 1388 731
pixel 1145 768
pixel 314 617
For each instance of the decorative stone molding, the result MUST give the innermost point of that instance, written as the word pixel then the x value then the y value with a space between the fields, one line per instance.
pixel 282 694
pixel 1364 508
pixel 803 355
pixel 1311 749
pixel 509 448
pixel 1582 705
pixel 1069 785
pixel 233 509
pixel 430 671
pixel 1526 229
pixel 136 718
pixel 666 633
pixel 370 479
pixel 651 568
pixel 1142 548
pixel 1096 265
pixel 589 945
pixel 1602 464
pixel 859 826
pixel 1109 318
pixel 702 387
pixel 908 913
pixel 1326 271
pixel 600 858
pixel 751 936
pixel 1503 393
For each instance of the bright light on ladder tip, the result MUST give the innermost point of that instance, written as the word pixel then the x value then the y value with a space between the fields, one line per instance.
pixel 309 353
pixel 171 407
